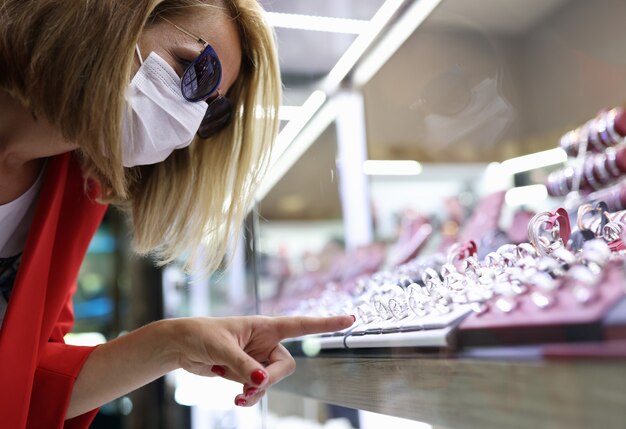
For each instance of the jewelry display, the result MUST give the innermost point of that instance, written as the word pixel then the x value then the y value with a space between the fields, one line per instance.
pixel 556 286
pixel 605 130
pixel 598 171
pixel 541 286
pixel 600 155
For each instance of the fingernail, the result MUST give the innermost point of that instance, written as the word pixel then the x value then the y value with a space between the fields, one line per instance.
pixel 258 376
pixel 240 402
pixel 251 391
pixel 219 370
pixel 353 318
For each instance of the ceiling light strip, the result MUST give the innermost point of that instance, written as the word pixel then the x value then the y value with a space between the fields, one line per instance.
pixel 360 45
pixel 393 39
pixel 317 23
pixel 287 113
pixel 534 161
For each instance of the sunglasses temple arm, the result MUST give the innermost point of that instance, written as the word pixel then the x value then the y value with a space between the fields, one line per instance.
pixel 138 53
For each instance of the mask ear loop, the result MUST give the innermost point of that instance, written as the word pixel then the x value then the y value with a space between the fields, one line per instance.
pixel 138 53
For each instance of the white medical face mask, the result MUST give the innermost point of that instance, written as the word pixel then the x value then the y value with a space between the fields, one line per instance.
pixel 157 120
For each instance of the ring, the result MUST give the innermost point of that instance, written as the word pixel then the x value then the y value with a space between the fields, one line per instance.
pixel 610 126
pixel 599 167
pixel 582 282
pixel 588 175
pixel 418 300
pixel 582 211
pixel 611 162
pixel 596 145
pixel 612 231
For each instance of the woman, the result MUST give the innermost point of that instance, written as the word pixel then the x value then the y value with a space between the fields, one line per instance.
pixel 93 111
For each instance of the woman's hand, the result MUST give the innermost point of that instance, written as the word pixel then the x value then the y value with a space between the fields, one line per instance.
pixel 243 349
pixel 246 349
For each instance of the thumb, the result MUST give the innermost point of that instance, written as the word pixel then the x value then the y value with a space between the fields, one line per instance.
pixel 247 368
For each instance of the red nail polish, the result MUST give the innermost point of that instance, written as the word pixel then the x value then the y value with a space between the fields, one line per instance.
pixel 240 402
pixel 258 376
pixel 219 370
pixel 251 391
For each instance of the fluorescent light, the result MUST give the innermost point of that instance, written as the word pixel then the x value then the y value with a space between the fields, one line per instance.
pixel 316 23
pixel 391 168
pixel 287 113
pixel 361 44
pixel 533 161
pixel 393 39
pixel 523 195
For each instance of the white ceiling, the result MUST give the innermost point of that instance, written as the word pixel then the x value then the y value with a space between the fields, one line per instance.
pixel 307 56
pixel 504 17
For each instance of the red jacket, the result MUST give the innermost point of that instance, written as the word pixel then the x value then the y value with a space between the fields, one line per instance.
pixel 37 369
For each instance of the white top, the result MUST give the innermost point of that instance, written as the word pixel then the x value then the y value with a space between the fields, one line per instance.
pixel 15 220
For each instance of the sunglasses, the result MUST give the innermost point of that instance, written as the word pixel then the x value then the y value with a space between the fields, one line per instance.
pixel 200 82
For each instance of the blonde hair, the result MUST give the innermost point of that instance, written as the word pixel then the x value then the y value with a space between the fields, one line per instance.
pixel 70 62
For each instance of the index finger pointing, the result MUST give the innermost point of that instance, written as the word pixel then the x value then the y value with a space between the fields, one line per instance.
pixel 289 327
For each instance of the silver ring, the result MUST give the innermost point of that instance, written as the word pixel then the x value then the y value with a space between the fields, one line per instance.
pixel 510 253
pixel 582 211
pixel 398 308
pixel 605 138
pixel 526 250
pixel 612 231
pixel 418 300
pixel 610 126
pixel 564 187
pixel 611 162
pixel 493 260
pixel 543 245
pixel 594 139
pixel 595 226
pixel 588 175
pixel 582 282
pixel 561 184
pixel 365 313
pixel 563 255
pixel 429 275
pixel 599 167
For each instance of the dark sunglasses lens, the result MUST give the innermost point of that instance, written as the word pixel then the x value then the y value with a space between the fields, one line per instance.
pixel 216 118
pixel 202 76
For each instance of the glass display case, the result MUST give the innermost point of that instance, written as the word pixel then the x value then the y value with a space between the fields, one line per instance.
pixel 457 186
